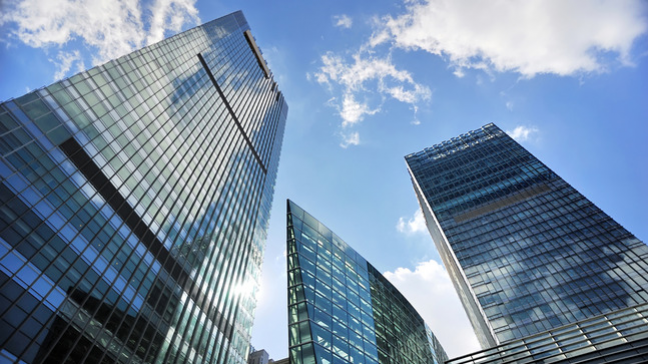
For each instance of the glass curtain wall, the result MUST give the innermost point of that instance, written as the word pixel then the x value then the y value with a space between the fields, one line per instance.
pixel 134 202
pixel 342 310
pixel 526 251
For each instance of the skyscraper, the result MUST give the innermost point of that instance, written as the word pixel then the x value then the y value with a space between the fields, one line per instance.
pixel 134 204
pixel 525 250
pixel 341 309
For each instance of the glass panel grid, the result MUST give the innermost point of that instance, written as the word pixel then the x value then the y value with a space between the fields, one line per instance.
pixel 341 309
pixel 142 240
pixel 530 252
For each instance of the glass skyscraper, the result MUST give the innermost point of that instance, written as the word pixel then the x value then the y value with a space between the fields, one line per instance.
pixel 134 204
pixel 341 309
pixel 526 251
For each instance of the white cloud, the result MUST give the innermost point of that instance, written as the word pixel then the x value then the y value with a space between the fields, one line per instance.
pixel 348 139
pixel 429 289
pixel 379 36
pixel 531 37
pixel 343 21
pixel 170 15
pixel 415 224
pixel 509 105
pixel 521 133
pixel 416 121
pixel 363 68
pixel 64 63
pixel 562 37
pixel 353 111
pixel 354 78
pixel 109 28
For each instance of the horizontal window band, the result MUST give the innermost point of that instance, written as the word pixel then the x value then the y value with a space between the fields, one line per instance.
pixel 504 202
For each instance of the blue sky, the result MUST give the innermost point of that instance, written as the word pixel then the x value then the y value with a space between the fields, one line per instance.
pixel 368 82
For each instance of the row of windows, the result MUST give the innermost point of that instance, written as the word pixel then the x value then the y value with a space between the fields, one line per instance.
pixel 561 203
pixel 462 142
pixel 400 331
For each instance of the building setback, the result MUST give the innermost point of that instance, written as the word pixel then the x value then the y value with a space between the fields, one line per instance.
pixel 526 251
pixel 134 204
pixel 341 309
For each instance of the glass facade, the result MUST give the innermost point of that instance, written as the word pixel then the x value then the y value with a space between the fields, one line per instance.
pixel 134 204
pixel 617 337
pixel 342 310
pixel 525 250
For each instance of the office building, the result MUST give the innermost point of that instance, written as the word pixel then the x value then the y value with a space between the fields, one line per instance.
pixel 341 309
pixel 262 357
pixel 258 357
pixel 526 251
pixel 135 200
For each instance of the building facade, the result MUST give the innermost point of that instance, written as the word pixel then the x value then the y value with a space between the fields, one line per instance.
pixel 526 251
pixel 262 357
pixel 258 357
pixel 619 337
pixel 134 203
pixel 341 309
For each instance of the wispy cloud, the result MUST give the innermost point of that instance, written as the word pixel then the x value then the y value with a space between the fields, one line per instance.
pixel 170 15
pixel 353 111
pixel 429 289
pixel 412 225
pixel 531 37
pixel 522 133
pixel 362 77
pixel 350 138
pixel 343 21
pixel 64 62
pixel 109 29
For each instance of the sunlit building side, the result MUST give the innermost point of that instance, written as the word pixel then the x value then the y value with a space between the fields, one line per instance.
pixel 134 204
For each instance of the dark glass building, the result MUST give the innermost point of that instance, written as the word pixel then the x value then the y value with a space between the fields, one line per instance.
pixel 342 310
pixel 526 251
pixel 134 203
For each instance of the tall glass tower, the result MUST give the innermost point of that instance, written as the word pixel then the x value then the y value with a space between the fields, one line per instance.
pixel 525 250
pixel 134 204
pixel 342 310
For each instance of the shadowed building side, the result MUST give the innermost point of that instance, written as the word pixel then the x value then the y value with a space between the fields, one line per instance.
pixel 525 250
